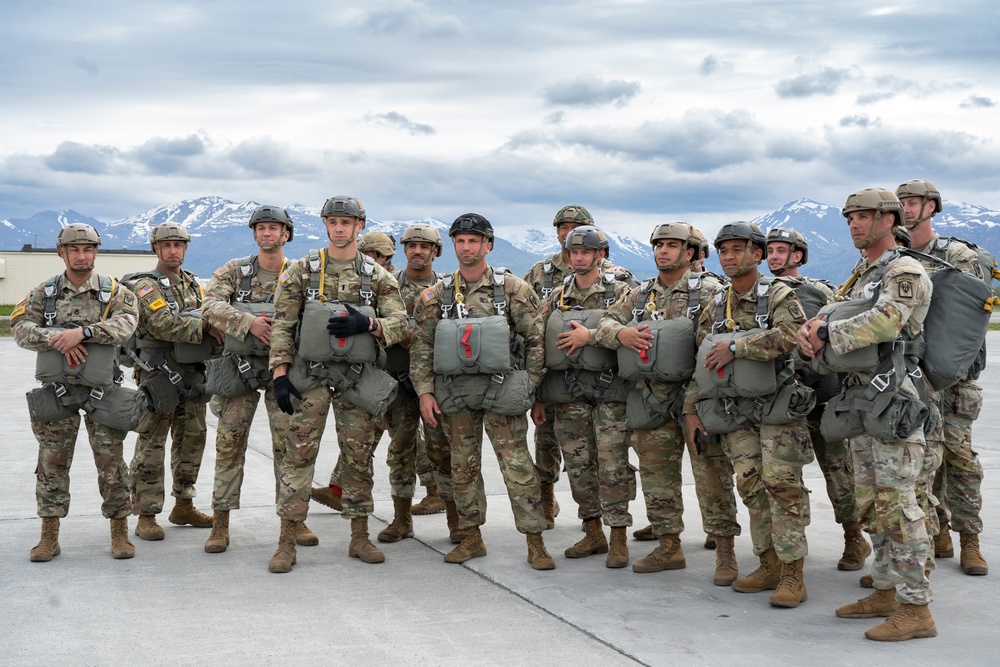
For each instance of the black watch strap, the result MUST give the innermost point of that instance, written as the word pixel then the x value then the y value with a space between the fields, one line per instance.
pixel 87 333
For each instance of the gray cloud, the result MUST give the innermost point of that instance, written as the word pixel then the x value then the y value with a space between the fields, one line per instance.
pixel 555 118
pixel 712 65
pixel 859 120
pixel 410 18
pixel 74 157
pixel 824 82
pixel 872 98
pixel 398 120
pixel 168 156
pixel 977 102
pixel 89 66
pixel 591 92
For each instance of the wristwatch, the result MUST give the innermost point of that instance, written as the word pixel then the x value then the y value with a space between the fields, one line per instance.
pixel 87 334
pixel 823 332
pixel 732 347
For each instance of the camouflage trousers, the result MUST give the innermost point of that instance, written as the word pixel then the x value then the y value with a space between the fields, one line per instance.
pixel 56 445
pixel 548 459
pixel 768 463
pixel 595 444
pixel 959 481
pixel 407 454
pixel 508 434
pixel 888 472
pixel 834 459
pixel 933 456
pixel 661 453
pixel 358 434
pixel 186 427
pixel 235 417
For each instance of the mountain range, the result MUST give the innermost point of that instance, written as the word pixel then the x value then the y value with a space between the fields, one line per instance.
pixel 219 232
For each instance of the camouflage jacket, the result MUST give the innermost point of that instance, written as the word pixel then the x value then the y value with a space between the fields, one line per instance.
pixel 157 321
pixel 75 308
pixel 959 255
pixel 536 276
pixel 223 290
pixel 904 297
pixel 785 317
pixel 293 286
pixel 668 302
pixel 523 315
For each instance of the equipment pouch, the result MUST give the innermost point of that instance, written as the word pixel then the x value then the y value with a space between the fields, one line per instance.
pixel 162 395
pixel 116 407
pixel 472 346
pixel 97 370
pixel 251 345
pixel 511 396
pixel 894 416
pixel 726 414
pixel 316 343
pixel 644 411
pixel 792 401
pixel 193 353
pixel 373 391
pixel 840 419
pixel 740 377
pixel 229 376
pixel 671 357
pixel 588 357
pixel 44 406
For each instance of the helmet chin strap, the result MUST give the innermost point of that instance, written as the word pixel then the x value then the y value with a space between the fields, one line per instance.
pixel 872 236
pixel 916 223
pixel 743 267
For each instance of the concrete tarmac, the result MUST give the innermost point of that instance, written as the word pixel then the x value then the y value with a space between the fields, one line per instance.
pixel 175 604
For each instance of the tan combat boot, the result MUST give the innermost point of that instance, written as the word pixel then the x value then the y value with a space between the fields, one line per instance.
pixel 47 547
pixel 431 504
pixel 361 547
pixel 305 537
pixel 218 541
pixel 710 541
pixel 470 546
pixel 971 557
pixel 284 558
pixel 618 555
pixel 667 556
pixel 538 555
pixel 147 529
pixel 120 545
pixel 943 547
pixel 593 542
pixel 726 567
pixel 185 513
pixel 550 508
pixel 879 603
pixel 866 581
pixel 644 534
pixel 402 521
pixel 791 588
pixel 455 534
pixel 325 496
pixel 765 577
pixel 856 548
pixel 910 621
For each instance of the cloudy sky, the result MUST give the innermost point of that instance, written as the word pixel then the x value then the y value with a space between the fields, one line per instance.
pixel 643 111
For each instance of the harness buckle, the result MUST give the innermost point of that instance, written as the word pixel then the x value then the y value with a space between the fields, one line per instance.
pixel 881 382
pixel 97 393
pixel 497 377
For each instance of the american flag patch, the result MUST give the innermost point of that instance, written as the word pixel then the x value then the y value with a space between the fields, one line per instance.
pixel 427 294
pixel 145 290
pixel 220 272
pixel 283 277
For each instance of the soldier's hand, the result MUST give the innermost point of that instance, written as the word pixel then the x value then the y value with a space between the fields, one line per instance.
pixel 218 334
pixel 351 324
pixel 429 409
pixel 261 329
pixel 538 413
pixel 64 341
pixel 636 338
pixel 718 356
pixel 283 392
pixel 693 425
pixel 808 342
pixel 573 340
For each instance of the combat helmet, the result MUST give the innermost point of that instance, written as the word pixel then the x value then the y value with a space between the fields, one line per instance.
pixel 793 238
pixel 169 231
pixel 344 205
pixel 471 223
pixel 379 242
pixel 573 213
pixel 420 232
pixel 272 214
pixel 79 234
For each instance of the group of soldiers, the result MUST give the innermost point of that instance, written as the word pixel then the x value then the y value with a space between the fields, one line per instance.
pixel 738 370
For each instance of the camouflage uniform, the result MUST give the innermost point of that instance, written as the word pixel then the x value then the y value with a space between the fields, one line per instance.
pixel 464 429
pixel 661 450
pixel 236 413
pixel 357 431
pixel 547 456
pixel 593 437
pixel 959 478
pixel 186 423
pixel 57 439
pixel 767 459
pixel 887 472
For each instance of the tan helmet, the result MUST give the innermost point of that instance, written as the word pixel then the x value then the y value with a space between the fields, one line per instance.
pixel 919 188
pixel 420 232
pixel 793 238
pixel 699 239
pixel 273 214
pixel 679 231
pixel 573 213
pixel 344 205
pixel 78 234
pixel 379 242
pixel 879 200
pixel 169 231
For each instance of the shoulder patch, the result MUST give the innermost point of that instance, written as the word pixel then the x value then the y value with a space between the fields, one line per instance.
pixel 156 305
pixel 221 271
pixel 17 312
pixel 427 294
pixel 905 288
pixel 129 299
pixel 143 291
pixel 796 311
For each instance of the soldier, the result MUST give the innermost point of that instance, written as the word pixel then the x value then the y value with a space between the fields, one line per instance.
pixel 588 396
pixel 379 246
pixel 240 301
pixel 74 320
pixel 885 470
pixel 677 296
pixel 170 328
pixel 960 475
pixel 333 368
pixel 787 250
pixel 492 391
pixel 767 457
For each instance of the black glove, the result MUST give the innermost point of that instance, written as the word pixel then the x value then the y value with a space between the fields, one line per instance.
pixel 283 390
pixel 351 324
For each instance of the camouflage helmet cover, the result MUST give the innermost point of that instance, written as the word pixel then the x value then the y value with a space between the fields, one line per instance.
pixel 78 233
pixel 422 233
pixel 272 214
pixel 379 242
pixel 573 213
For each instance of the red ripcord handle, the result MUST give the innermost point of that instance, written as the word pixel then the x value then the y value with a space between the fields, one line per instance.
pixel 465 341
